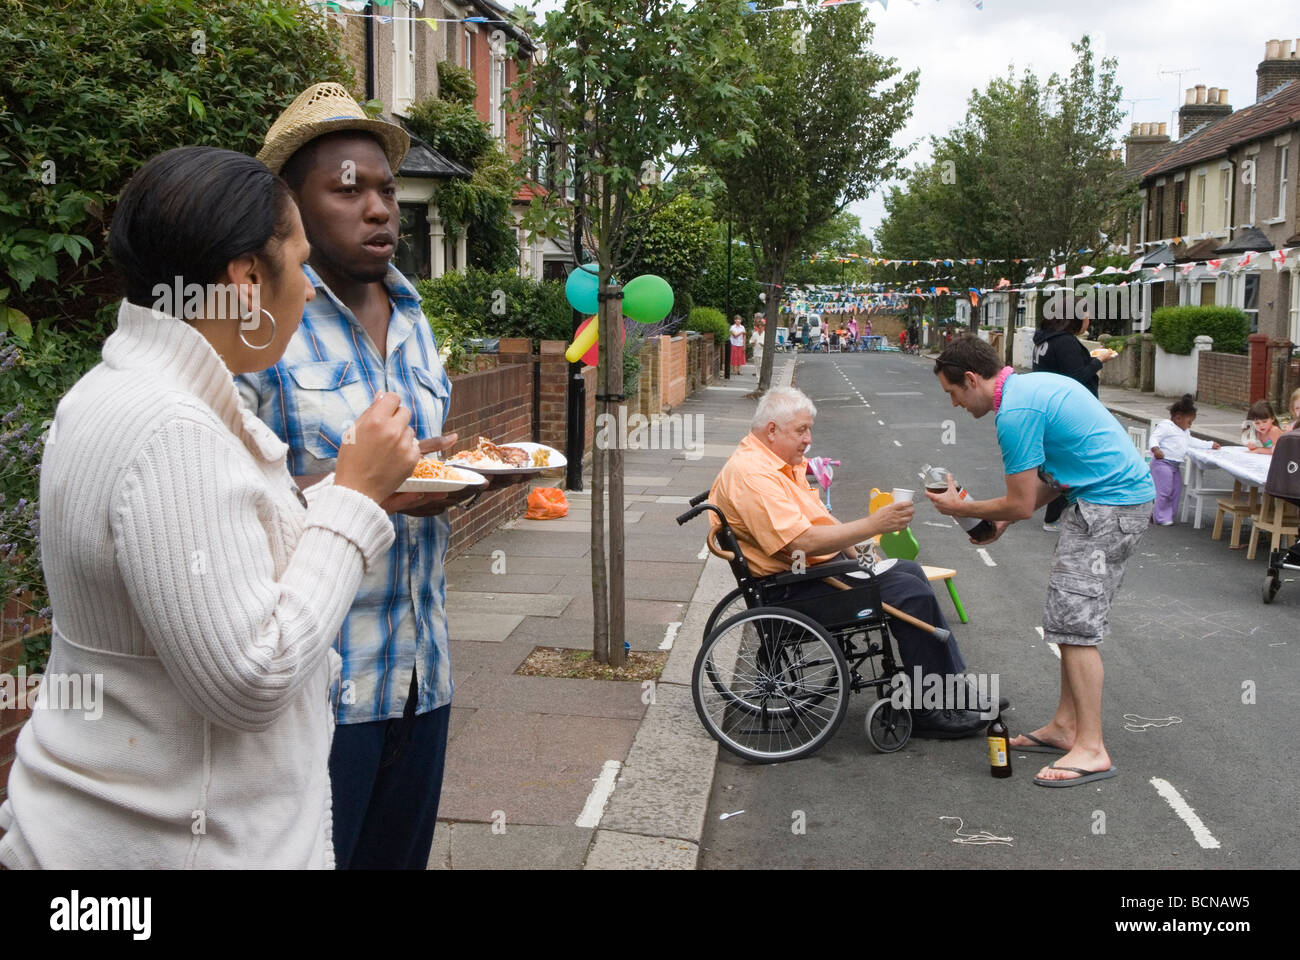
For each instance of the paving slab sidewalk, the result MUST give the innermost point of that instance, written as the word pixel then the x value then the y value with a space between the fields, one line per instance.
pixel 546 773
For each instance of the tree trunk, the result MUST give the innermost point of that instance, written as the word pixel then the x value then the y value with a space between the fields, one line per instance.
pixel 773 306
pixel 612 309
pixel 599 450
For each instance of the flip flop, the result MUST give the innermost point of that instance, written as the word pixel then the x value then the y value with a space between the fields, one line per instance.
pixel 1038 746
pixel 1085 776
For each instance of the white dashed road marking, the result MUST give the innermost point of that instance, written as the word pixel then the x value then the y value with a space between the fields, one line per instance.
pixel 594 808
pixel 1188 815
pixel 988 560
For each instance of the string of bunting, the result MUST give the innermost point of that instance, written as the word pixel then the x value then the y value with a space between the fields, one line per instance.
pixel 342 9
pixel 872 297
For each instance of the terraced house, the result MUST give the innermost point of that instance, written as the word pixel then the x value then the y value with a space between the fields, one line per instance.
pixel 1219 203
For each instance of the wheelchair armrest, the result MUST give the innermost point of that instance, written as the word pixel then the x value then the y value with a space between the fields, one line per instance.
pixel 834 568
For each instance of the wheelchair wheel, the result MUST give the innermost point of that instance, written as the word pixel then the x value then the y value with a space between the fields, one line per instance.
pixel 730 605
pixel 1272 584
pixel 770 684
pixel 888 726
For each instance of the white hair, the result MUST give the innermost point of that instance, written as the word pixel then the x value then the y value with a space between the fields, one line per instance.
pixel 780 406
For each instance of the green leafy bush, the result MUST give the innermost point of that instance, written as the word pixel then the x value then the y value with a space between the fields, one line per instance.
pixel 481 303
pixel 91 90
pixel 1176 328
pixel 478 207
pixel 455 84
pixel 708 320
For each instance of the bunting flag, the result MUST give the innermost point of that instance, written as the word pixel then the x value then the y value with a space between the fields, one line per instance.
pixel 1279 258
pixel 1058 272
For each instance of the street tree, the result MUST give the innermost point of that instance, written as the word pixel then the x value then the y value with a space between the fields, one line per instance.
pixel 826 117
pixel 631 93
pixel 1030 172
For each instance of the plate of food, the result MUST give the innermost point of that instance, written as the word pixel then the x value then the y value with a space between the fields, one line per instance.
pixel 1103 353
pixel 514 458
pixel 434 476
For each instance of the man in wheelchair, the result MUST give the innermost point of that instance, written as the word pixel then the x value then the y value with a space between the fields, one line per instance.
pixel 778 520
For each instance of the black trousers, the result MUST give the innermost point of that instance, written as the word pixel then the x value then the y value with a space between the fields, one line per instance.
pixel 903 586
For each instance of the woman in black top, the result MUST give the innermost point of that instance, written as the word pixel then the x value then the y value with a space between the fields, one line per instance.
pixel 1057 349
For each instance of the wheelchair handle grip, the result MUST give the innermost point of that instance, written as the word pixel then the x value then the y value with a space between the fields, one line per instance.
pixel 699 498
pixel 696 511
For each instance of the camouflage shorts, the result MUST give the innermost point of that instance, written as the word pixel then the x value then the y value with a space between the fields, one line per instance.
pixel 1095 543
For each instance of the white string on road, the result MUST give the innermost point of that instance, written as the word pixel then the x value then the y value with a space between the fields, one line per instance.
pixel 1135 724
pixel 980 839
pixel 1188 815
pixel 670 634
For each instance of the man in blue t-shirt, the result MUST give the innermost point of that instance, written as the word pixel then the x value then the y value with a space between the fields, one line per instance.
pixel 1057 438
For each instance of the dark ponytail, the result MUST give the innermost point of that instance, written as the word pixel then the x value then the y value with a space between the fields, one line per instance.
pixel 1184 404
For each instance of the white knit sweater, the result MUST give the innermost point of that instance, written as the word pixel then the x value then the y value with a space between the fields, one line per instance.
pixel 183 568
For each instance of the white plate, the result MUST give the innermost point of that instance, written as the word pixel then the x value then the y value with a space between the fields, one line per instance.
pixel 557 460
pixel 468 478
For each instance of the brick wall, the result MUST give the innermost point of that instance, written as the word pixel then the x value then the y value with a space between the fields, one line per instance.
pixel 650 402
pixel 554 392
pixel 672 371
pixel 1223 378
pixel 496 404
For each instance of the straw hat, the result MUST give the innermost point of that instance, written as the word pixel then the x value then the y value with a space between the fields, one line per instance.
pixel 327 108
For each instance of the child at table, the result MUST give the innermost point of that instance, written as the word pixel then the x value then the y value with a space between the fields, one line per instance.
pixel 1170 441
pixel 1267 429
pixel 1294 406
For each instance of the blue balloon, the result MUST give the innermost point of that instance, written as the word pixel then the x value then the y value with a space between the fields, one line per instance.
pixel 581 289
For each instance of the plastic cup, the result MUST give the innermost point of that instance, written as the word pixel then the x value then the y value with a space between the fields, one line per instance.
pixel 902 495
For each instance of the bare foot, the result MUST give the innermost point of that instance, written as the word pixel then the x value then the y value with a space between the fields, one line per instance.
pixel 1091 760
pixel 1050 735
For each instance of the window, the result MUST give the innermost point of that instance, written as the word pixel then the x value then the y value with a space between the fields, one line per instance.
pixel 1180 209
pixel 1253 173
pixel 1199 226
pixel 469 49
pixel 1225 178
pixel 1283 154
pixel 1160 213
pixel 1142 223
pixel 1293 311
pixel 1250 299
pixel 412 256
pixel 403 56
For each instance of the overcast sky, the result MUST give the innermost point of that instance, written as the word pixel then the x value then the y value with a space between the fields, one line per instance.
pixel 959 48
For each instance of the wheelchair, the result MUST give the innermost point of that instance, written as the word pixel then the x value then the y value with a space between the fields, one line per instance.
pixel 772 679
pixel 1283 483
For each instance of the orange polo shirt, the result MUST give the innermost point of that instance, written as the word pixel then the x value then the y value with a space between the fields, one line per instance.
pixel 768 503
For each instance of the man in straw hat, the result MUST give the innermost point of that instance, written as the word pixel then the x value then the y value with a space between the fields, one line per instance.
pixel 365 334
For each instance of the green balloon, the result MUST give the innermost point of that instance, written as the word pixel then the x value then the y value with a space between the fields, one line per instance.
pixel 647 298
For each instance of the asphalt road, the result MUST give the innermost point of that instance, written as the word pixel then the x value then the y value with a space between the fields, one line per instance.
pixel 1191 642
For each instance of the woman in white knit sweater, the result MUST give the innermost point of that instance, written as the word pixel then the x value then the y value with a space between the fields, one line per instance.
pixel 196 591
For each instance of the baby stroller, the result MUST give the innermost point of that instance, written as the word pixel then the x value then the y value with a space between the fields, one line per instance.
pixel 1283 483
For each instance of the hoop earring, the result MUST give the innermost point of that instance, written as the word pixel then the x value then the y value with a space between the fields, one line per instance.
pixel 268 342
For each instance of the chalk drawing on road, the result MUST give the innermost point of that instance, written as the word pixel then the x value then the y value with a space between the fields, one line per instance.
pixel 728 816
pixel 980 839
pixel 1135 724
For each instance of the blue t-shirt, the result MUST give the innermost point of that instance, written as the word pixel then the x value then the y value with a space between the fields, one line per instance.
pixel 1054 422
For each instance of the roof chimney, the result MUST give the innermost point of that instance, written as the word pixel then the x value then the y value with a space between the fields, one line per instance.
pixel 1281 63
pixel 1202 106
pixel 1143 143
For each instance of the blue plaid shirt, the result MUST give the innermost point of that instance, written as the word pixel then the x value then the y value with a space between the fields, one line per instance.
pixel 326 379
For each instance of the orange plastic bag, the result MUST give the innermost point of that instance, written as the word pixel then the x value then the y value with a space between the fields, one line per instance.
pixel 547 503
